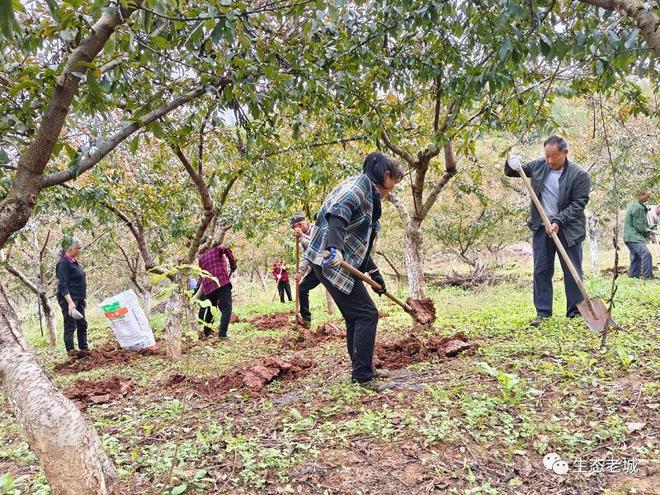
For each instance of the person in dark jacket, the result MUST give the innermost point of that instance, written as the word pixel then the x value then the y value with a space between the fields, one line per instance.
pixel 71 296
pixel 636 233
pixel 345 229
pixel 563 189
pixel 302 230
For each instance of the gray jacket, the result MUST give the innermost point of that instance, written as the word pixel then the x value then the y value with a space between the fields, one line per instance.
pixel 574 188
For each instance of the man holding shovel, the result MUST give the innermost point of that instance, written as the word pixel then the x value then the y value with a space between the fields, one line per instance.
pixel 345 230
pixel 305 276
pixel 564 189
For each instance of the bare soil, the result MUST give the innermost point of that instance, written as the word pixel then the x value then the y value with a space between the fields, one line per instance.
pixel 104 355
pixel 254 377
pixel 411 350
pixel 87 392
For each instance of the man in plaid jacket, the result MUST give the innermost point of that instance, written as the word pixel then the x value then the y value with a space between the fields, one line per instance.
pixel 346 228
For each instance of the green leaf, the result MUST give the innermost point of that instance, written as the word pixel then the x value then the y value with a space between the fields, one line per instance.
pixel 160 42
pixel 95 91
pixel 133 146
pixel 8 23
pixel 4 157
pixel 178 490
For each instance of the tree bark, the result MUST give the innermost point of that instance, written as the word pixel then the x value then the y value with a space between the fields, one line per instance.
pixel 644 18
pixel 66 445
pixel 175 315
pixel 44 301
pixel 412 251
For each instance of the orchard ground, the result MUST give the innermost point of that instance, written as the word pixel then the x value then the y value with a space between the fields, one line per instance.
pixel 479 422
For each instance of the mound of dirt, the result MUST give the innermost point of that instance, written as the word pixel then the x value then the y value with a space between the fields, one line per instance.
pixel 423 311
pixel 87 392
pixel 412 350
pixel 104 355
pixel 306 338
pixel 274 321
pixel 254 377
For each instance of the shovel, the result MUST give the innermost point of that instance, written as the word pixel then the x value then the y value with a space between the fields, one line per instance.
pixel 593 310
pixel 368 280
pixel 297 281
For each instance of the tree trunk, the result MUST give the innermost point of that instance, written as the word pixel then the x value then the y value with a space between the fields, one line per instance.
pixel 49 314
pixel 66 445
pixel 592 234
pixel 175 313
pixel 412 250
pixel 329 303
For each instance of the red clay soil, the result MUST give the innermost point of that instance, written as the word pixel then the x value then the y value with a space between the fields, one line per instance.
pixel 268 322
pixel 423 311
pixel 305 339
pixel 254 377
pixel 104 355
pixel 411 350
pixel 87 392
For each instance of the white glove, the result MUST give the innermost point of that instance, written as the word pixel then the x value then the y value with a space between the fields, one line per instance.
pixel 75 314
pixel 515 162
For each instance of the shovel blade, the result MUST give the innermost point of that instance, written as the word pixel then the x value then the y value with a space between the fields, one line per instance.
pixel 598 318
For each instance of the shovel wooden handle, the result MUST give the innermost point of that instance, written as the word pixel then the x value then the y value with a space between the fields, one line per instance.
pixel 296 277
pixel 368 280
pixel 555 237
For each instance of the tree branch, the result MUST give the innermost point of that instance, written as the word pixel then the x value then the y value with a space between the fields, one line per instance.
pixel 400 207
pixel 644 18
pixel 112 142
pixel 450 171
pixel 403 154
pixel 16 208
pixel 207 203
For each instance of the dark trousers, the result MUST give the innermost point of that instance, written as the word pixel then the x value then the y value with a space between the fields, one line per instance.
pixel 544 267
pixel 220 298
pixel 361 316
pixel 283 287
pixel 71 326
pixel 308 283
pixel 641 263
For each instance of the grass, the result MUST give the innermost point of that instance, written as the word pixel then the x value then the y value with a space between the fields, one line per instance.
pixel 474 424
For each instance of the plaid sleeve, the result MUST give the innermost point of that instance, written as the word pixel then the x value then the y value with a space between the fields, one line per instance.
pixel 348 201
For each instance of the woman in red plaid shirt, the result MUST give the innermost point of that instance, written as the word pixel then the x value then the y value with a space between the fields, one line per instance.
pixel 281 276
pixel 219 261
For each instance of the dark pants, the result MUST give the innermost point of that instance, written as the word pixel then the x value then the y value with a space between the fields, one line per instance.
pixel 544 267
pixel 221 299
pixel 71 326
pixel 641 263
pixel 308 283
pixel 361 316
pixel 283 287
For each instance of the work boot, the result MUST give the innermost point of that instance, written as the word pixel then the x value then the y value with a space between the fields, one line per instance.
pixel 376 385
pixel 536 322
pixel 306 324
pixel 382 373
pixel 73 354
pixel 84 354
